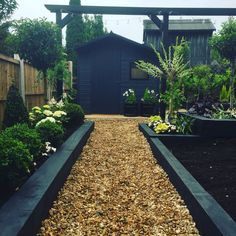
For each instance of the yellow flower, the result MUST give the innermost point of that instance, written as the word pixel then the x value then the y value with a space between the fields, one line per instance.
pixel 161 128
pixel 154 118
pixel 36 108
pixel 46 106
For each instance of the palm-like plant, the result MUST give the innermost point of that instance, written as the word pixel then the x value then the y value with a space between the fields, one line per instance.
pixel 172 67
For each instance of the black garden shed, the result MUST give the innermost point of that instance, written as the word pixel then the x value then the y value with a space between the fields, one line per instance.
pixel 106 69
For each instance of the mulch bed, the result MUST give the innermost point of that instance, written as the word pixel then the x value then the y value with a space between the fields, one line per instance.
pixel 213 164
pixel 118 189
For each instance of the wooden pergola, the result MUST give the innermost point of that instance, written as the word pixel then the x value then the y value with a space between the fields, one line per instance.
pixel 151 12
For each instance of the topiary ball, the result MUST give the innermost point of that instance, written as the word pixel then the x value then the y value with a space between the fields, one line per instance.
pixel 51 132
pixel 75 115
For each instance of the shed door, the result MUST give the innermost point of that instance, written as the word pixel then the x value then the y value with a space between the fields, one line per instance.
pixel 106 82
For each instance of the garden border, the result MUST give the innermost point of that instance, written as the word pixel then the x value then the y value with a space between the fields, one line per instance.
pixel 212 127
pixel 23 213
pixel 210 217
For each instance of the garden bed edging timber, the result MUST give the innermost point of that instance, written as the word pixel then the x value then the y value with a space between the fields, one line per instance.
pixel 210 217
pixel 23 213
pixel 212 127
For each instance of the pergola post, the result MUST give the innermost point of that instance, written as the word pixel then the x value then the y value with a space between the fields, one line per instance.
pixel 165 41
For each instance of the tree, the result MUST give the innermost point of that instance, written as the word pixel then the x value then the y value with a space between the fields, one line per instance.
pixel 7 7
pixel 225 43
pixel 173 68
pixel 15 110
pixel 80 30
pixel 38 43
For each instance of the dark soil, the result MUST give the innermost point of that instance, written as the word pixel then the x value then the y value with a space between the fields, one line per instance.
pixel 213 164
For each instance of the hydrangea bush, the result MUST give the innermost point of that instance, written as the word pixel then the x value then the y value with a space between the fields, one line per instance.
pixel 149 96
pixel 53 112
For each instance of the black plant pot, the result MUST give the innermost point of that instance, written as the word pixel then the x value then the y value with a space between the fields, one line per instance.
pixel 147 109
pixel 130 109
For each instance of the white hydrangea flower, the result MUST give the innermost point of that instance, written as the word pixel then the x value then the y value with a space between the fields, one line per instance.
pixel 47 113
pixel 51 119
pixel 60 104
pixel 59 113
pixel 52 102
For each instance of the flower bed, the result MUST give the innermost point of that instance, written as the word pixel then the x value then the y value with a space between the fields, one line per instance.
pixel 23 213
pixel 210 217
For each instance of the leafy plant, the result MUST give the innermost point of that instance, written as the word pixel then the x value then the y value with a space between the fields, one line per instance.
pixel 220 113
pixel 225 43
pixel 184 124
pixel 225 94
pixel 7 8
pixel 51 132
pixel 160 126
pixel 15 110
pixel 172 67
pixel 15 162
pixel 130 96
pixel 75 115
pixel 149 96
pixel 28 136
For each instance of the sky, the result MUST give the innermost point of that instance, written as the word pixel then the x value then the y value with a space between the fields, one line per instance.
pixel 128 26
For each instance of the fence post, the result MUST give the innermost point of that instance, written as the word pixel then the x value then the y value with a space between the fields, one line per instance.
pixel 21 77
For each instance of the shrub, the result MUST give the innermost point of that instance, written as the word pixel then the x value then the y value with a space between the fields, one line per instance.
pixel 51 132
pixel 30 137
pixel 15 110
pixel 75 115
pixel 15 162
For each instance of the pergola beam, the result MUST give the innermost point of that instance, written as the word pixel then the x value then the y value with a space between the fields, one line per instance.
pixel 141 10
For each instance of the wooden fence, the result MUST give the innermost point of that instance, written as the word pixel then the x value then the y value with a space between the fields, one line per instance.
pixel 25 78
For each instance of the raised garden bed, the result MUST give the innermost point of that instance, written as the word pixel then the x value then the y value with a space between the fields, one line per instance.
pixel 210 217
pixel 23 212
pixel 212 127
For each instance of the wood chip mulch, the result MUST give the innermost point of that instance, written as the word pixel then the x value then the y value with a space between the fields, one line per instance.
pixel 118 189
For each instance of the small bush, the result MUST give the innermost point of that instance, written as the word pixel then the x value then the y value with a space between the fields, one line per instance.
pixel 15 162
pixel 51 132
pixel 30 137
pixel 75 115
pixel 15 110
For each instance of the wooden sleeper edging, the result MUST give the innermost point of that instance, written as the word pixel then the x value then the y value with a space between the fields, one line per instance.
pixel 210 217
pixel 23 213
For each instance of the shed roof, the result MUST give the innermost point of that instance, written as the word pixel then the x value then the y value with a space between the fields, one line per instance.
pixel 183 25
pixel 113 36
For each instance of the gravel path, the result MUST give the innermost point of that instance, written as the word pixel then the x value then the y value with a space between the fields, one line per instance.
pixel 118 189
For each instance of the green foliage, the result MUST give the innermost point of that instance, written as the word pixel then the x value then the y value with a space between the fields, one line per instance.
pixel 15 110
pixel 59 72
pixel 130 96
pixel 15 162
pixel 220 113
pixel 149 96
pixel 184 124
pixel 75 114
pixel 7 7
pixel 38 42
pixel 51 132
pixel 28 136
pixel 80 30
pixel 225 94
pixel 172 67
pixel 225 43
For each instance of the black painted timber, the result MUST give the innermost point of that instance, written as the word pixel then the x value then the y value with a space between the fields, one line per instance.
pixel 149 133
pixel 23 213
pixel 141 10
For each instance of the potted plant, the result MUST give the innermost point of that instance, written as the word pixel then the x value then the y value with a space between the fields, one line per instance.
pixel 130 103
pixel 148 102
